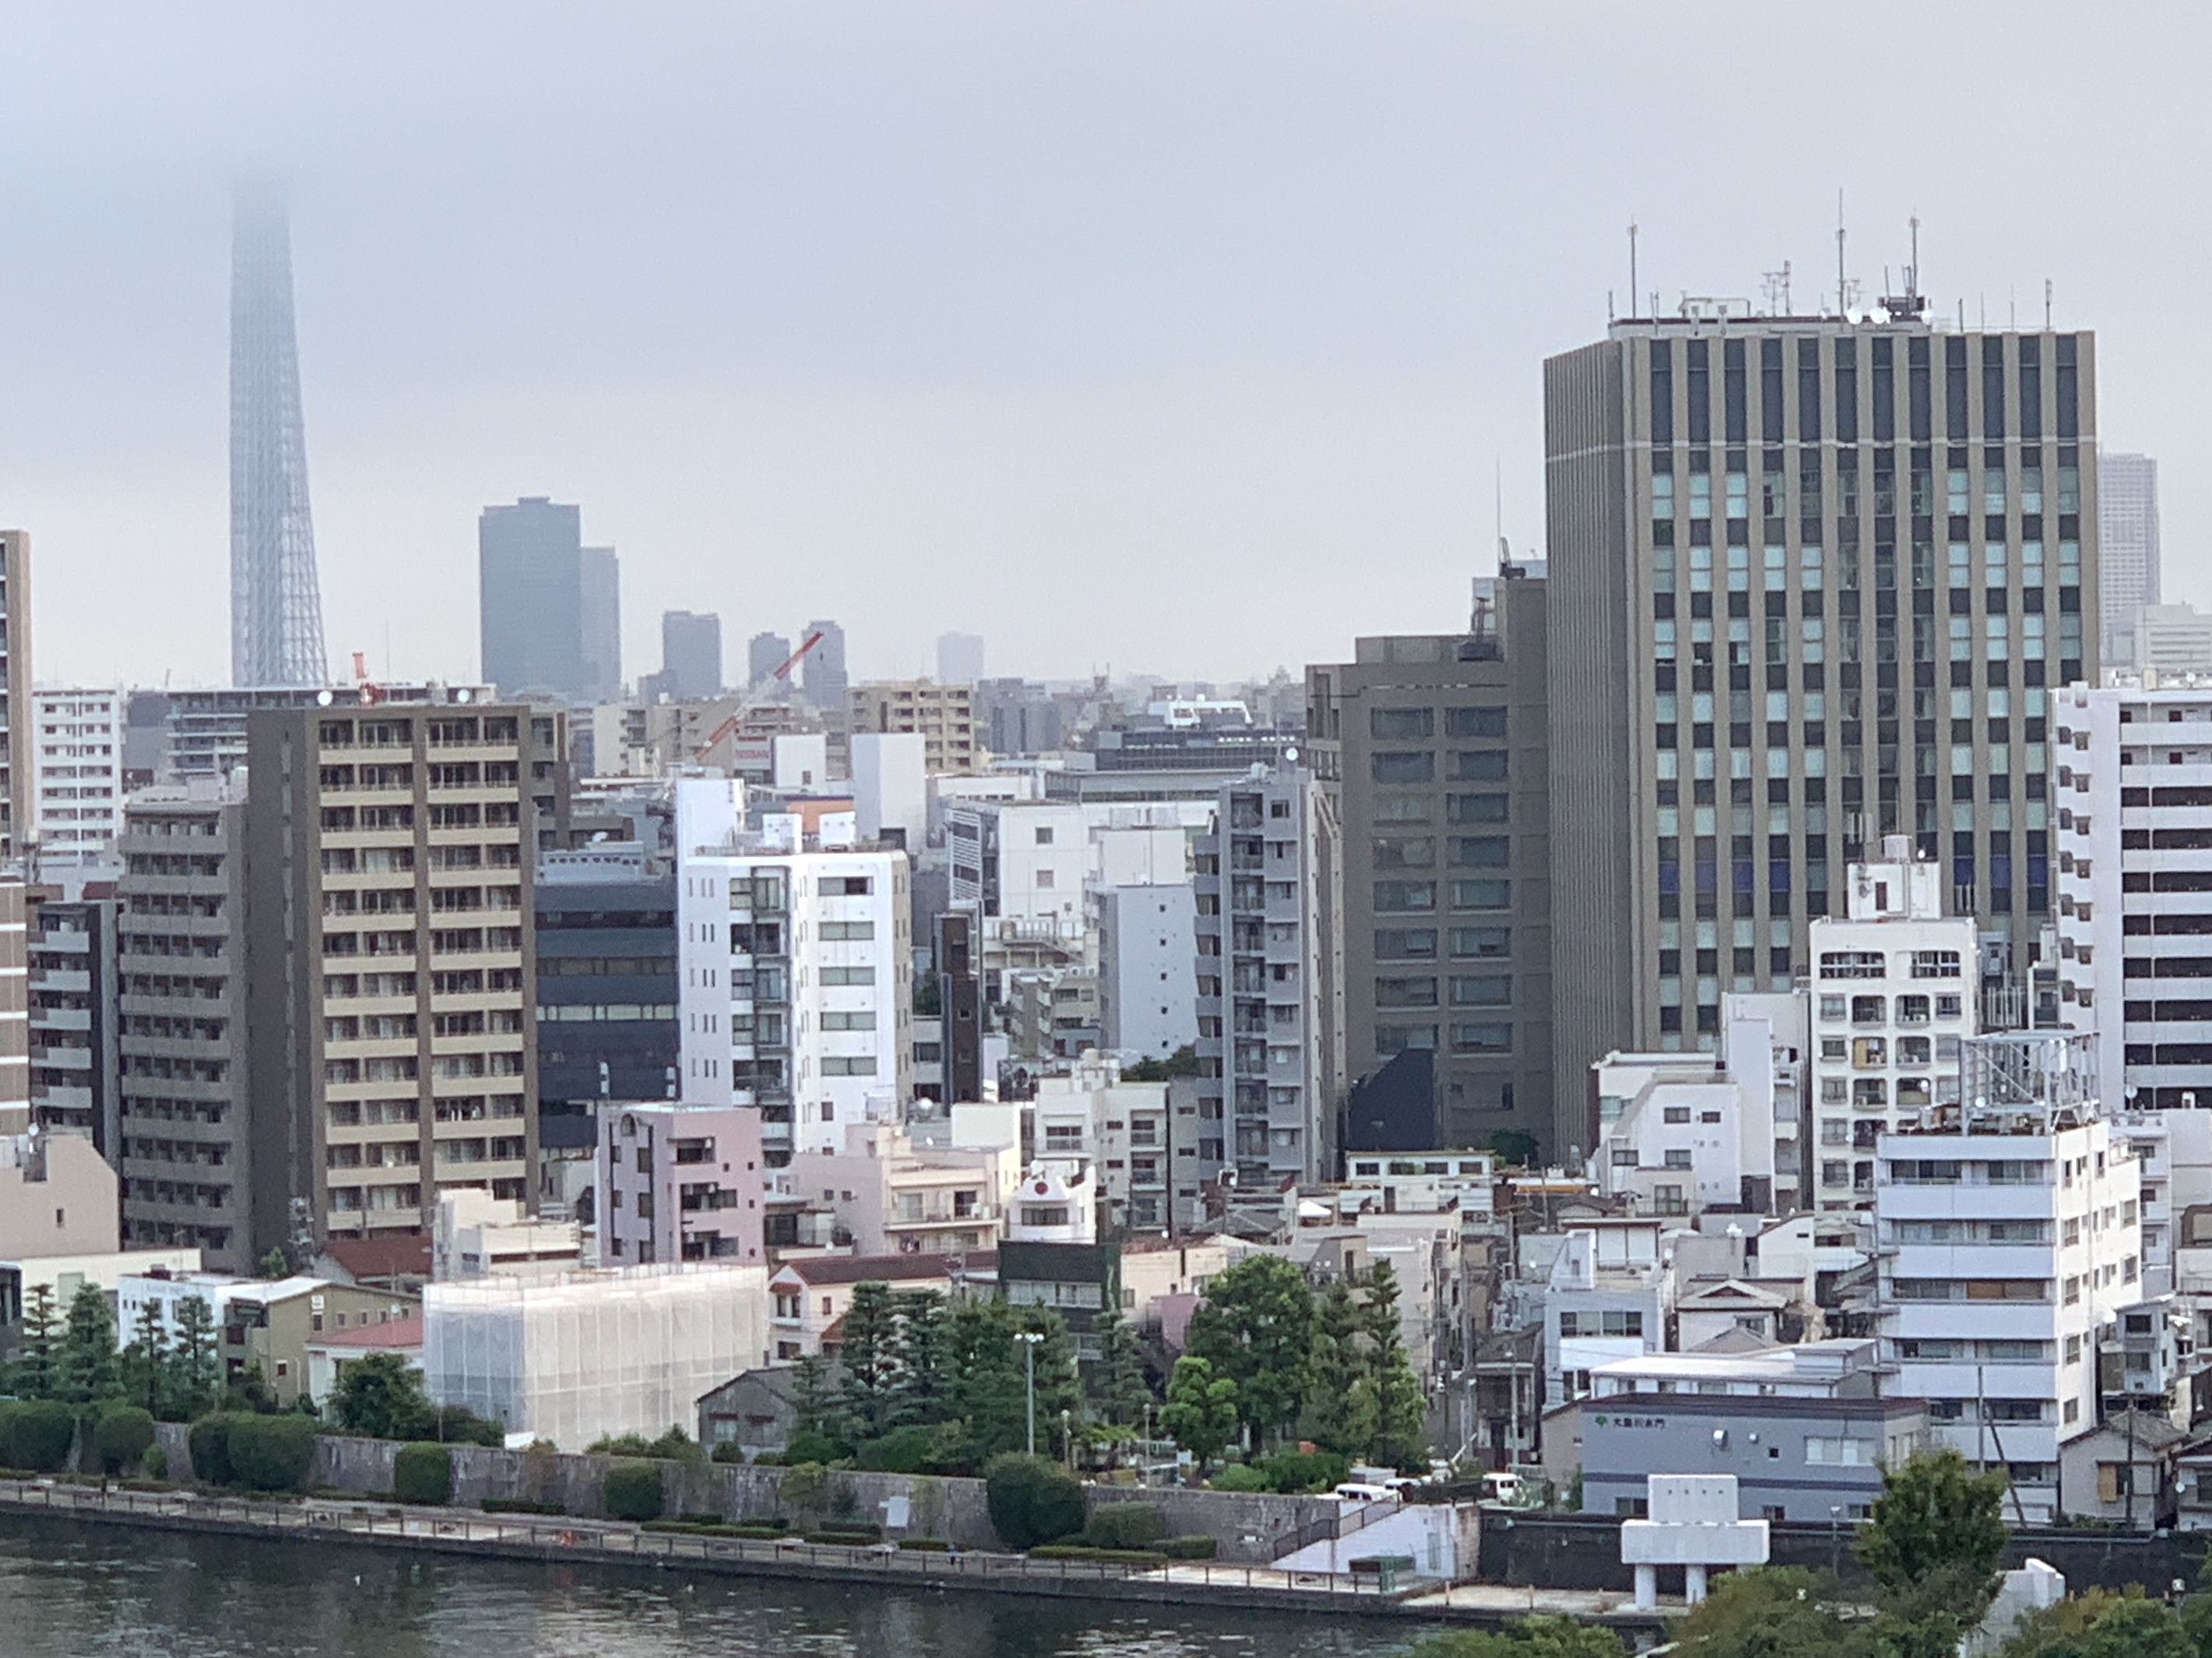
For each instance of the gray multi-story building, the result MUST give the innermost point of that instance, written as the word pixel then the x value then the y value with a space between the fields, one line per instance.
pixel 1437 745
pixel 185 1155
pixel 690 655
pixel 549 616
pixel 764 654
pixel 204 732
pixel 70 950
pixel 391 859
pixel 823 674
pixel 1013 716
pixel 1270 975
pixel 2127 551
pixel 1811 582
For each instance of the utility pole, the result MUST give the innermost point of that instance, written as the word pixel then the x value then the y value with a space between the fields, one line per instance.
pixel 1028 1338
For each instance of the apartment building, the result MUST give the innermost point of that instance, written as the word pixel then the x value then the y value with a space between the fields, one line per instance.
pixel 943 715
pixel 70 944
pixel 1120 1131
pixel 607 1017
pixel 2135 885
pixel 181 1040
pixel 796 956
pixel 1680 1135
pixel 1270 1049
pixel 1437 748
pixel 1147 989
pixel 391 869
pixel 1812 583
pixel 18 763
pixel 204 731
pixel 76 741
pixel 680 1182
pixel 2009 1236
pixel 1892 999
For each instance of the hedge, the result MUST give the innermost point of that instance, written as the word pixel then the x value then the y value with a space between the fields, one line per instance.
pixel 423 1473
pixel 1032 1500
pixel 1190 1548
pixel 209 1441
pixel 925 1546
pixel 121 1435
pixel 271 1452
pixel 518 1505
pixel 631 1490
pixel 1126 1526
pixel 36 1434
pixel 1144 1559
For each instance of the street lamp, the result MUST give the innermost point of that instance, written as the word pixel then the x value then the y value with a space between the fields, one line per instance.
pixel 1028 1338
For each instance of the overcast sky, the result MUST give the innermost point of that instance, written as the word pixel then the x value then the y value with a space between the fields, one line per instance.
pixel 1185 337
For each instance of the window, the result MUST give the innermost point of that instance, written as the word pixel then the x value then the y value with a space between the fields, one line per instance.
pixel 1043 837
pixel 1402 897
pixel 1676 1114
pixel 1474 722
pixel 1400 724
pixel 1677 1158
pixel 1402 766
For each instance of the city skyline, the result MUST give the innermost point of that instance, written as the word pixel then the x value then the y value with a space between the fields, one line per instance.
pixel 1320 379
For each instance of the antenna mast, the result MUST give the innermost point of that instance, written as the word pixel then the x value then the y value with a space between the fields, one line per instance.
pixel 1631 267
pixel 1843 294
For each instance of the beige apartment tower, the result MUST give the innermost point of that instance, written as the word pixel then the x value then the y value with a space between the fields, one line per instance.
pixel 391 854
pixel 1812 581
pixel 944 716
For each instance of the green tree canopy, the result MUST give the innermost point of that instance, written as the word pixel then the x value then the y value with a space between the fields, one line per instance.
pixel 1936 1518
pixel 1772 1611
pixel 2102 1624
pixel 85 1360
pixel 871 1355
pixel 1256 1328
pixel 1201 1414
pixel 1115 1388
pixel 32 1376
pixel 1530 1637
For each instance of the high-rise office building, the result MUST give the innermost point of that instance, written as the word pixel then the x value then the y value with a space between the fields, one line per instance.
pixel 764 654
pixel 550 615
pixel 959 659
pixel 1436 745
pixel 18 764
pixel 391 864
pixel 2127 551
pixel 823 673
pixel 185 1162
pixel 1812 581
pixel 276 592
pixel 691 655
pixel 1270 977
pixel 77 741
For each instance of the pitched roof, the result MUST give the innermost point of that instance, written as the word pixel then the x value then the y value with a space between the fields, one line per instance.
pixel 393 1335
pixel 885 1269
pixel 372 1258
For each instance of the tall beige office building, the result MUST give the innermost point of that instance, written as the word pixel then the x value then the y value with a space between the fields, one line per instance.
pixel 391 855
pixel 1812 581
pixel 18 770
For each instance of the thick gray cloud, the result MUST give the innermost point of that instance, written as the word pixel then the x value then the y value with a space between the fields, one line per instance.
pixel 1183 337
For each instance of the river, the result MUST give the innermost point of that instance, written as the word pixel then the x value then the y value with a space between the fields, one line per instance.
pixel 74 1591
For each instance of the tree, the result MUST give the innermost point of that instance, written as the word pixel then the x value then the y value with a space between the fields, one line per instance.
pixel 988 1387
pixel 1931 1546
pixel 1531 1637
pixel 32 1376
pixel 1400 1437
pixel 872 1359
pixel 1772 1611
pixel 378 1396
pixel 1184 1062
pixel 814 1400
pixel 143 1371
pixel 1339 1414
pixel 1935 1516
pixel 1032 1500
pixel 2103 1624
pixel 1115 1389
pixel 273 1266
pixel 84 1362
pixel 1201 1414
pixel 1514 1148
pixel 193 1372
pixel 920 1391
pixel 1256 1328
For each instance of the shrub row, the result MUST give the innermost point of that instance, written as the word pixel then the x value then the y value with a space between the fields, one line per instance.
pixel 1193 1547
pixel 1125 1526
pixel 518 1505
pixel 925 1546
pixel 1141 1558
pixel 758 1533
pixel 423 1473
pixel 261 1453
pixel 631 1490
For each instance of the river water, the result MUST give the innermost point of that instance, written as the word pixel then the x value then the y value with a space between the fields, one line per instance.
pixel 73 1591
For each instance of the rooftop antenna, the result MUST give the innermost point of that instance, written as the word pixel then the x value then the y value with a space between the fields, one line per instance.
pixel 1776 284
pixel 2046 305
pixel 1912 274
pixel 1632 268
pixel 1843 295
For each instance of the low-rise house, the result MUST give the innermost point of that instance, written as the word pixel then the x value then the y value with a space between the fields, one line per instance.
pixel 262 1326
pixel 2127 1471
pixel 756 1410
pixel 328 1359
pixel 808 1296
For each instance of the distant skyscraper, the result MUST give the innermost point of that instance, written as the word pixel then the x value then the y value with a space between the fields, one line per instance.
pixel 959 659
pixel 2127 547
pixel 690 655
pixel 551 609
pixel 276 597
pixel 823 673
pixel 764 654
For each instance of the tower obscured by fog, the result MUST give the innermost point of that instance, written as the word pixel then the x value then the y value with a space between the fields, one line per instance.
pixel 2127 532
pixel 959 659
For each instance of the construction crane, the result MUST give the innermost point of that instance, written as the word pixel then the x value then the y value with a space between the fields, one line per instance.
pixel 738 715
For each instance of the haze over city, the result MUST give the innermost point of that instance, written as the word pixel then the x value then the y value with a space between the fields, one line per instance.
pixel 1186 339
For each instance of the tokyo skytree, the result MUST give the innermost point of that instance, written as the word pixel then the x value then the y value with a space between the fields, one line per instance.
pixel 276 598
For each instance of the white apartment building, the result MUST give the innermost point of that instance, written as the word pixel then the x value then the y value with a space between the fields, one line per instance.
pixel 1607 1296
pixel 797 955
pixel 2173 1152
pixel 1271 1043
pixel 1091 1119
pixel 2134 910
pixel 2008 1237
pixel 1147 990
pixel 1892 992
pixel 1678 1135
pixel 77 758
